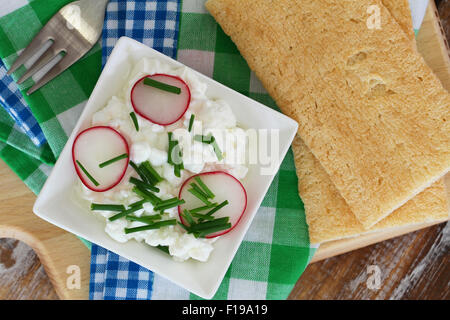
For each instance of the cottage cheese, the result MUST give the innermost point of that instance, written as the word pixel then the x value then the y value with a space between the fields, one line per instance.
pixel 150 143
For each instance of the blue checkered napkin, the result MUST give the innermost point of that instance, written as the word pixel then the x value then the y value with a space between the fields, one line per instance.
pixel 118 278
pixel 154 23
pixel 12 101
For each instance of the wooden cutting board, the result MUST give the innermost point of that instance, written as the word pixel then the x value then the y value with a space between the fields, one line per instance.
pixel 61 252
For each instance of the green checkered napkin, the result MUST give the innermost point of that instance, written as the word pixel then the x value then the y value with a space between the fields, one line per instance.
pixel 56 106
pixel 270 260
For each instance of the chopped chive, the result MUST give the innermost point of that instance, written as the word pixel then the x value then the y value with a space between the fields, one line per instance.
pixel 204 139
pixel 199 209
pixel 162 206
pixel 202 216
pixel 126 212
pixel 191 122
pixel 148 176
pixel 146 166
pixel 143 184
pixel 204 187
pixel 107 207
pixel 217 208
pixel 138 203
pixel 161 86
pixel 154 200
pixel 199 196
pixel 183 226
pixel 175 159
pixel 163 248
pixel 152 226
pixel 217 150
pixel 169 152
pixel 135 120
pixel 107 163
pixel 87 174
pixel 145 219
pixel 187 215
pixel 167 201
pixel 138 171
pixel 177 170
pixel 217 228
pixel 206 225
pixel 199 190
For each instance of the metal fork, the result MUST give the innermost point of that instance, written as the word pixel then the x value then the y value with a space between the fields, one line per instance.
pixel 73 31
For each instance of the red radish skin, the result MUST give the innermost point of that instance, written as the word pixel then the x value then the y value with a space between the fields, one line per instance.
pixel 80 173
pixel 187 182
pixel 184 103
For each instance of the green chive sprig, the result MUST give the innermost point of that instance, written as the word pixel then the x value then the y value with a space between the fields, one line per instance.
pixel 203 208
pixel 152 226
pixel 206 225
pixel 201 216
pixel 125 213
pixel 107 207
pixel 151 174
pixel 87 174
pixel 138 171
pixel 204 187
pixel 145 219
pixel 143 184
pixel 217 150
pixel 199 196
pixel 135 120
pixel 163 249
pixel 191 122
pixel 175 156
pixel 138 203
pixel 162 86
pixel 143 193
pixel 166 204
pixel 213 229
pixel 217 208
pixel 118 158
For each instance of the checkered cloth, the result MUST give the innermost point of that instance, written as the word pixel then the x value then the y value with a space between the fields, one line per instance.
pixel 12 101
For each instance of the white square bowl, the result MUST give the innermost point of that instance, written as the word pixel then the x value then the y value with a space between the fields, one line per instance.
pixel 56 205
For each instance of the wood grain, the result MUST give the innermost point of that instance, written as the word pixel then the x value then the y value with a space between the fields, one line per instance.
pixel 413 266
pixel 22 276
pixel 57 249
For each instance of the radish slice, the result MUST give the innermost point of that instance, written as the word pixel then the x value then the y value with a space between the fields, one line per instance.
pixel 95 146
pixel 159 106
pixel 225 187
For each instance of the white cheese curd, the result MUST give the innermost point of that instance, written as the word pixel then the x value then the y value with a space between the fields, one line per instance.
pixel 150 143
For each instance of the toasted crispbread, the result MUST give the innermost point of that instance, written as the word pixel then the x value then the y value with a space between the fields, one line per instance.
pixel 368 106
pixel 401 13
pixel 329 217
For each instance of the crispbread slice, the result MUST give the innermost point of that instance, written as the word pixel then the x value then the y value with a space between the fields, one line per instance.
pixel 401 12
pixel 368 106
pixel 330 218
pixel 328 215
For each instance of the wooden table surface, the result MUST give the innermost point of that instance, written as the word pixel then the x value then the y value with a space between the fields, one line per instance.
pixel 413 266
